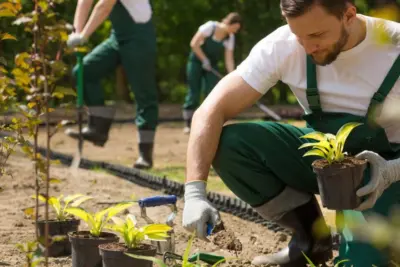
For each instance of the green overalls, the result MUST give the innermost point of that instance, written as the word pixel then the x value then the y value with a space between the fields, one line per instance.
pixel 134 46
pixel 257 160
pixel 214 50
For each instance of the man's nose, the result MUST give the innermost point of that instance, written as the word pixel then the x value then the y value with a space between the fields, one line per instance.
pixel 310 46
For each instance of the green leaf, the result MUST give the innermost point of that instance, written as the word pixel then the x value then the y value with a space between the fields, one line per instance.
pixel 58 95
pixel 314 135
pixel 79 201
pixel 7 36
pixel 153 259
pixel 315 152
pixel 344 132
pixel 65 91
pixel 308 260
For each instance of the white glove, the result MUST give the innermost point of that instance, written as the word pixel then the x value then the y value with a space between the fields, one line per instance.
pixel 75 39
pixel 383 174
pixel 206 64
pixel 198 211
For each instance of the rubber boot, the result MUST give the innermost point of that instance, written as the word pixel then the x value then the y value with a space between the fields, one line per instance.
pixel 300 220
pixel 145 160
pixel 99 123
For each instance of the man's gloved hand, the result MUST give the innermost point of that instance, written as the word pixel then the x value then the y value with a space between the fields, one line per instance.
pixel 75 39
pixel 206 64
pixel 383 174
pixel 198 211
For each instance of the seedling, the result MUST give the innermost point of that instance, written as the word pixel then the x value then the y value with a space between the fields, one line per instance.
pixel 134 236
pixel 61 208
pixel 186 258
pixel 338 174
pixel 33 253
pixel 98 221
pixel 313 265
pixel 329 147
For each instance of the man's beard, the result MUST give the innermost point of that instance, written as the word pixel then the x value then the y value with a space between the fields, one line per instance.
pixel 337 48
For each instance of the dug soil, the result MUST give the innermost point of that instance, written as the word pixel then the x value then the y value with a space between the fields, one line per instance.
pixel 17 227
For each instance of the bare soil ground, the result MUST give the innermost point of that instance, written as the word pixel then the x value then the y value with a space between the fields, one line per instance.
pixel 16 227
pixel 170 158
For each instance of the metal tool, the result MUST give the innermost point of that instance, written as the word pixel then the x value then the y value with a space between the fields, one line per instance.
pixel 162 246
pixel 171 258
pixel 78 155
pixel 263 107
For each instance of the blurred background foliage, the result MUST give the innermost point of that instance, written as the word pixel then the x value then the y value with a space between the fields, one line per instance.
pixel 176 22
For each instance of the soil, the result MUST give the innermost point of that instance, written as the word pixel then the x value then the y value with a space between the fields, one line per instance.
pixel 16 227
pixel 87 235
pixel 122 247
pixel 348 162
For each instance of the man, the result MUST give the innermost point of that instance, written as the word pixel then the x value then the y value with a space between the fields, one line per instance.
pixel 334 62
pixel 133 44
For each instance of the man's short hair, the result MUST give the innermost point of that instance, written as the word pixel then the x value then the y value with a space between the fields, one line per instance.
pixel 295 8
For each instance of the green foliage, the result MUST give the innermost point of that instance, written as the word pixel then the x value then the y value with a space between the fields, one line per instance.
pixel 134 236
pixel 33 253
pixel 329 146
pixel 61 204
pixel 185 257
pixel 99 220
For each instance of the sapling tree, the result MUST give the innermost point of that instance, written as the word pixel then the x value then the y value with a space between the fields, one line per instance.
pixel 36 74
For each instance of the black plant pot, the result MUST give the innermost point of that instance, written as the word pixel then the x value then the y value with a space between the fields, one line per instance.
pixel 85 248
pixel 59 229
pixel 113 255
pixel 338 182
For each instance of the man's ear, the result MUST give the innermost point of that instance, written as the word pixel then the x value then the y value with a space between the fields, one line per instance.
pixel 350 14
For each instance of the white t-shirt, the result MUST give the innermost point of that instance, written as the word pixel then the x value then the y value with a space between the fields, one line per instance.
pixel 207 29
pixel 140 10
pixel 347 85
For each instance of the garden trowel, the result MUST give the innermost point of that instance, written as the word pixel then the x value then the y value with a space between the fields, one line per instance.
pixel 78 155
pixel 260 105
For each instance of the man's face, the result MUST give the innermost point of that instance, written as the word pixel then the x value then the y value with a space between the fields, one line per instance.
pixel 322 35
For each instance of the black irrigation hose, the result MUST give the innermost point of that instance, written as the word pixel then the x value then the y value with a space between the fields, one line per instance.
pixel 223 203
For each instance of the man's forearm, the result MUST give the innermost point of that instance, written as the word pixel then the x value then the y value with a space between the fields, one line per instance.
pixel 199 52
pixel 98 16
pixel 82 12
pixel 203 143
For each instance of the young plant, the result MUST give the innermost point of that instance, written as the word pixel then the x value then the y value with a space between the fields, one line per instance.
pixel 134 236
pixel 185 258
pixel 313 265
pixel 33 253
pixel 329 146
pixel 99 220
pixel 61 204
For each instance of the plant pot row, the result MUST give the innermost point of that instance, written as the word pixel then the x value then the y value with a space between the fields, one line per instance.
pixel 106 251
pixel 89 251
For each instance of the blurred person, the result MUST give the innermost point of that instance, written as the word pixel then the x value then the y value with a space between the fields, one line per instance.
pixel 212 42
pixel 132 43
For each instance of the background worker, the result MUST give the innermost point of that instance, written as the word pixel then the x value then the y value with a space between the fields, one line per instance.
pixel 132 43
pixel 212 42
pixel 336 64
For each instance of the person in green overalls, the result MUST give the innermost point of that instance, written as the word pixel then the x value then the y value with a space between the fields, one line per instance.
pixel 132 43
pixel 212 42
pixel 335 61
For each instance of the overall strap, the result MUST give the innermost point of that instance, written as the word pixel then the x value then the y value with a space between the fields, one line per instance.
pixel 312 88
pixel 387 85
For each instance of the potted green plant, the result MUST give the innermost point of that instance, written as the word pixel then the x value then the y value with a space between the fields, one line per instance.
pixel 85 251
pixel 339 175
pixel 62 224
pixel 186 260
pixel 113 254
